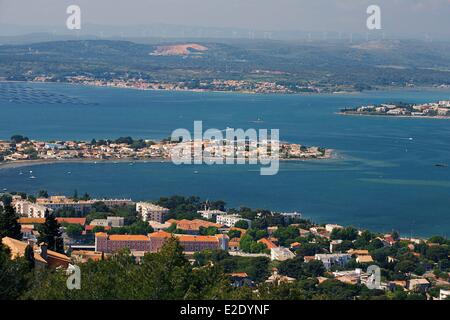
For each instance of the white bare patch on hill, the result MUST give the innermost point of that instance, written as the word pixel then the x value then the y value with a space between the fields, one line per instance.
pixel 179 50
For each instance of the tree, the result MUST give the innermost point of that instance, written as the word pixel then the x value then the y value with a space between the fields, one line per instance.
pixel 347 233
pixel 234 234
pixel 9 225
pixel 74 229
pixel 242 224
pixel 437 253
pixel 29 256
pixel 18 138
pixel 13 275
pixel 292 268
pixel 314 268
pixel 42 194
pixel 405 266
pixel 50 233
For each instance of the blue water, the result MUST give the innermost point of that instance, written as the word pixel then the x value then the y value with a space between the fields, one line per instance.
pixel 381 180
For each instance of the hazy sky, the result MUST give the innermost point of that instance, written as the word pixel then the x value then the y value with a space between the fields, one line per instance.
pixel 398 16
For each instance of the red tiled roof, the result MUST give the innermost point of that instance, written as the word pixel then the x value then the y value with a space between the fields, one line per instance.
pixel 81 221
pixel 269 244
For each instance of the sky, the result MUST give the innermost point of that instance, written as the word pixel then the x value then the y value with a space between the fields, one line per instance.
pixel 410 17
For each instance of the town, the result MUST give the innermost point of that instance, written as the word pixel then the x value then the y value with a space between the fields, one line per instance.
pixel 241 86
pixel 213 251
pixel 20 148
pixel 440 109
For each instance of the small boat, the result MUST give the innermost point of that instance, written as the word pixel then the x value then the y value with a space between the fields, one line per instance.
pixel 4 189
pixel 195 172
pixel 20 173
pixel 410 139
pixel 32 177
pixel 442 165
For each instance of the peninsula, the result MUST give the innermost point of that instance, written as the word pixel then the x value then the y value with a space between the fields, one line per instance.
pixel 20 149
pixel 439 109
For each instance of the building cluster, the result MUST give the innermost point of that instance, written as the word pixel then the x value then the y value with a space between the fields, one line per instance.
pixel 211 232
pixel 146 150
pixel 244 86
pixel 433 109
pixel 37 209
pixel 67 150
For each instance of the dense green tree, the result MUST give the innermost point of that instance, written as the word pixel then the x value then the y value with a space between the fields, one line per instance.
pixel 242 224
pixel 347 233
pixel 13 275
pixel 437 253
pixel 314 268
pixel 9 224
pixel 50 233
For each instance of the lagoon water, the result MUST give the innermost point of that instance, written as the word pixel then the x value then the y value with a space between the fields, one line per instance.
pixel 384 176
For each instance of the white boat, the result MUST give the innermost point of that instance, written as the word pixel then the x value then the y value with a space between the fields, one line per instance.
pixel 32 177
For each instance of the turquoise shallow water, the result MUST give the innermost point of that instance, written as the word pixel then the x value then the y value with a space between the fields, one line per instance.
pixel 381 179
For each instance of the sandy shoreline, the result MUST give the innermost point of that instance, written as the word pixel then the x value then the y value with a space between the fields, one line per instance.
pixel 330 154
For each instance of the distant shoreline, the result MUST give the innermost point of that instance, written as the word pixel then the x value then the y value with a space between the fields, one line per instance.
pixel 329 154
pixel 375 89
pixel 391 116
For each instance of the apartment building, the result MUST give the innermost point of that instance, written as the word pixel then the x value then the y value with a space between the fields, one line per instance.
pixel 230 220
pixel 29 209
pixel 151 212
pixel 154 242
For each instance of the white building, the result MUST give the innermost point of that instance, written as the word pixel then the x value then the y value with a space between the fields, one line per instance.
pixel 331 227
pixel 291 215
pixel 330 260
pixel 210 214
pixel 281 254
pixel 113 222
pixel 151 212
pixel 230 220
pixel 29 209
pixel 444 294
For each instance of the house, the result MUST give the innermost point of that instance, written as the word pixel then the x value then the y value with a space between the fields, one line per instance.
pixel 42 256
pixel 329 260
pixel 210 214
pixel 295 245
pixel 157 226
pixel 240 279
pixel 358 252
pixel 331 227
pixel 80 221
pixel 233 244
pixel 278 278
pixel 112 222
pixel 83 256
pixel 444 294
pixel 193 226
pixel 268 243
pixel 418 285
pixel 334 244
pixel 281 254
pixel 364 259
